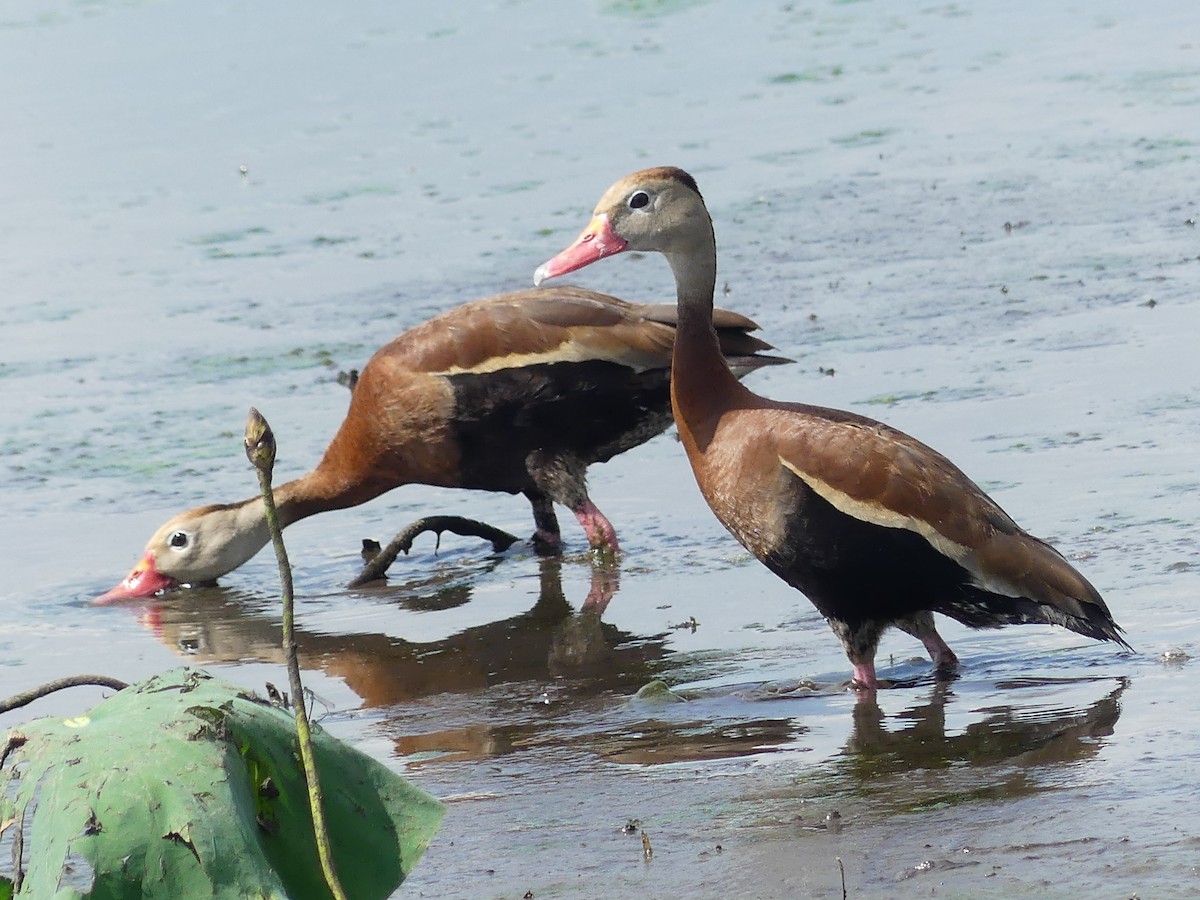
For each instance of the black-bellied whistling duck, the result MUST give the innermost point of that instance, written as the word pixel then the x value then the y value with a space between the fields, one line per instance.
pixel 517 393
pixel 873 526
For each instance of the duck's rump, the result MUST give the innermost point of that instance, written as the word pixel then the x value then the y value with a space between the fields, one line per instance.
pixel 857 571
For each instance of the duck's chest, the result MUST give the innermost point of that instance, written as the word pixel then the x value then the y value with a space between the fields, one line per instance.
pixel 741 477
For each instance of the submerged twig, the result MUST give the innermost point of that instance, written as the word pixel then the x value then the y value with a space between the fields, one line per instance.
pixel 260 448
pixel 402 542
pixel 842 869
pixel 26 697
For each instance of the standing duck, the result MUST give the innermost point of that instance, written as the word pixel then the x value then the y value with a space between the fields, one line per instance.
pixel 517 393
pixel 873 526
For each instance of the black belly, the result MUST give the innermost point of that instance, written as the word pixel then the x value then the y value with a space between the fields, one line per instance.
pixel 590 410
pixel 856 571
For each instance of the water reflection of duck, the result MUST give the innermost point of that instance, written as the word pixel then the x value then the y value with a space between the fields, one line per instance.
pixel 479 693
pixel 549 641
pixel 1008 750
pixel 876 528
pixel 1030 733
pixel 518 393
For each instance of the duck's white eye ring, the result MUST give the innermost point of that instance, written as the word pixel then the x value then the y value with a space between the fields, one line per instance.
pixel 639 200
pixel 178 540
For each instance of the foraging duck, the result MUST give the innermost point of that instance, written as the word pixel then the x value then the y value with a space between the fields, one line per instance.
pixel 874 527
pixel 517 393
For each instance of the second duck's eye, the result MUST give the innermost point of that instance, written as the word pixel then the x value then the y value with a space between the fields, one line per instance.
pixel 178 540
pixel 639 199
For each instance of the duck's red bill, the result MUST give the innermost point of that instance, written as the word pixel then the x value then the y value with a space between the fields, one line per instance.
pixel 144 581
pixel 597 241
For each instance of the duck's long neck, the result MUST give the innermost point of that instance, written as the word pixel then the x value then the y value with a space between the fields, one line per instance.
pixel 701 383
pixel 317 491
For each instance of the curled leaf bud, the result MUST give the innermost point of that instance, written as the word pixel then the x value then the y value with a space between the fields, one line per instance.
pixel 260 441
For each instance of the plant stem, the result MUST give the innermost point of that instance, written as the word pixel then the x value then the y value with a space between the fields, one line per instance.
pixel 260 448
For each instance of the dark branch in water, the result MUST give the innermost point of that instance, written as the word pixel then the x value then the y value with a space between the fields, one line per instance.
pixel 402 543
pixel 26 697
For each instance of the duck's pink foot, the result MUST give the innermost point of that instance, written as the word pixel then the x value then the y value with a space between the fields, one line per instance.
pixel 921 626
pixel 945 662
pixel 864 681
pixel 600 532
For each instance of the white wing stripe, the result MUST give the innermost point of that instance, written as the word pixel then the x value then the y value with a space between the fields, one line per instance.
pixel 888 518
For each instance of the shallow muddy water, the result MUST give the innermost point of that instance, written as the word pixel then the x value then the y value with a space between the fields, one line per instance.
pixel 974 222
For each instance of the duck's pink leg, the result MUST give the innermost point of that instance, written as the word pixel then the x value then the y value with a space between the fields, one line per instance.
pixel 599 530
pixel 864 680
pixel 920 625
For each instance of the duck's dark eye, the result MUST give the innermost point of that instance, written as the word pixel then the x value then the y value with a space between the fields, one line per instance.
pixel 178 540
pixel 639 199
